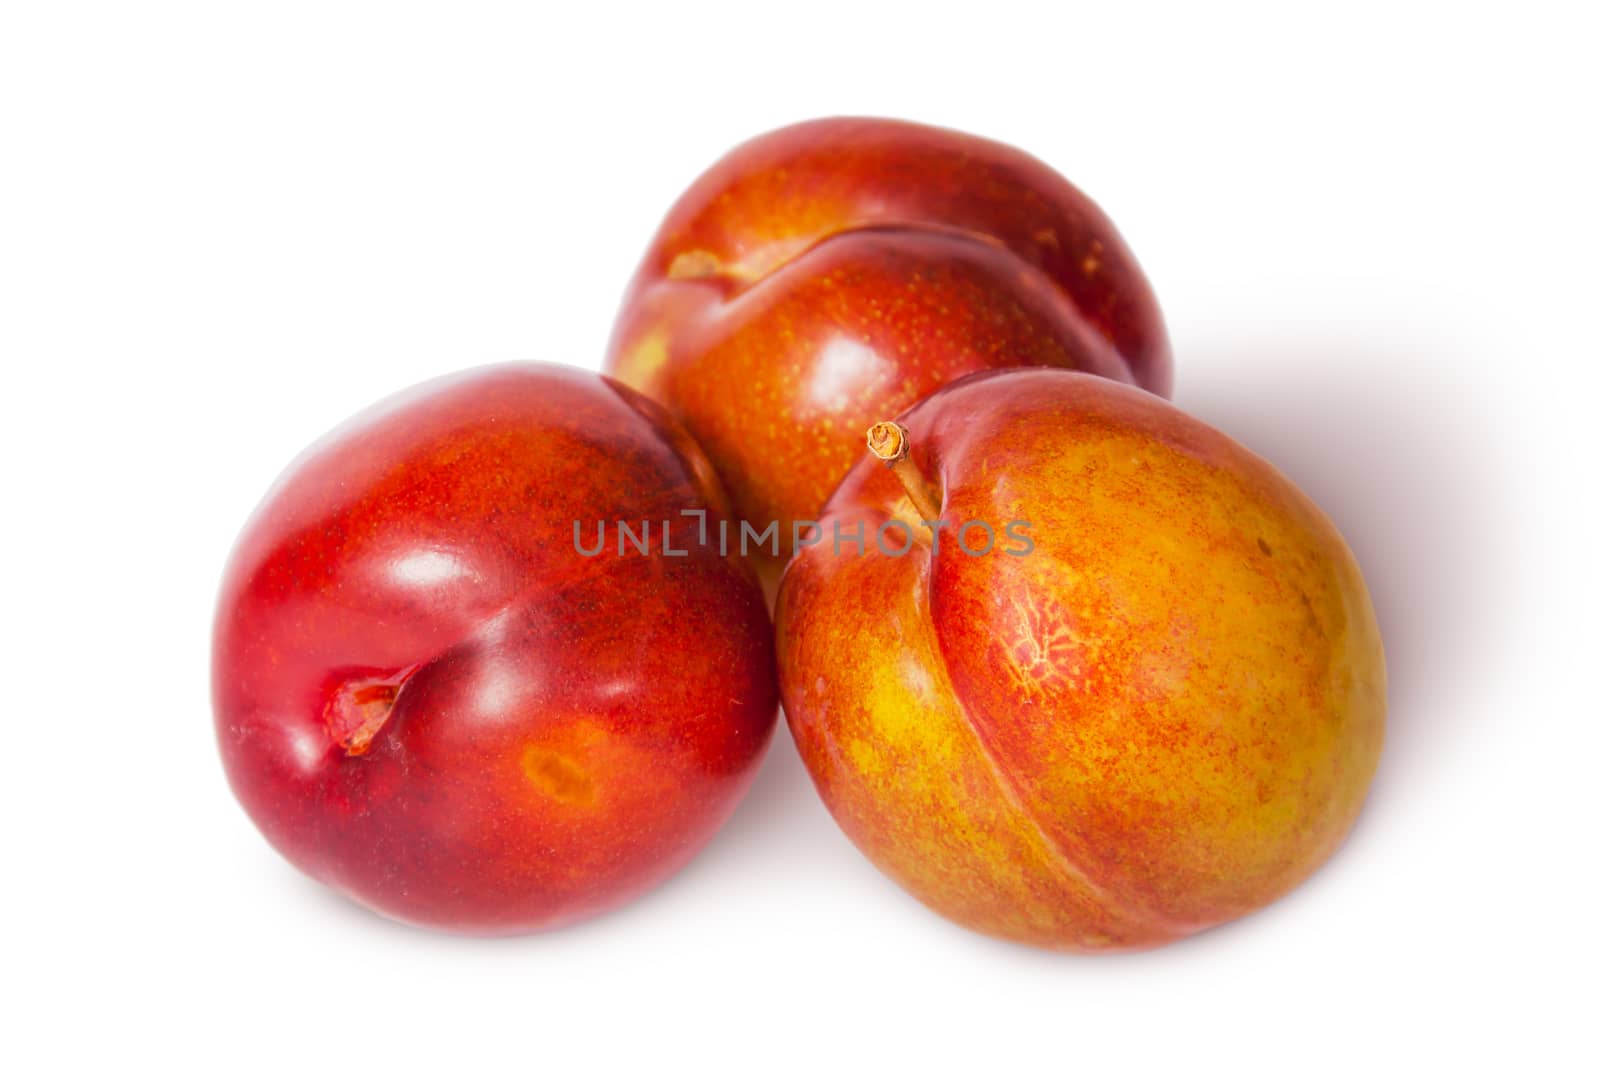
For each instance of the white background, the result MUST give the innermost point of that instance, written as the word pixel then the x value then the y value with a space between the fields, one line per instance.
pixel 225 227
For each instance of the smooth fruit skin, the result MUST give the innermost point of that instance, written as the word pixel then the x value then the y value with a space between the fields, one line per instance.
pixel 562 731
pixel 1161 718
pixel 827 273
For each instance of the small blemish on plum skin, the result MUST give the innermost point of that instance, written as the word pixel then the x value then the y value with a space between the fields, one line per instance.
pixel 557 776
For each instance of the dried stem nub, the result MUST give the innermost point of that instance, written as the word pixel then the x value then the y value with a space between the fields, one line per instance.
pixel 890 443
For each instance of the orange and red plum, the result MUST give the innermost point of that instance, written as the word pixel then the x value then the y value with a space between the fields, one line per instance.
pixel 426 696
pixel 826 273
pixel 1155 707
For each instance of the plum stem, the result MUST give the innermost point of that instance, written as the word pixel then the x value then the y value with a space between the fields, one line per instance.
pixel 890 443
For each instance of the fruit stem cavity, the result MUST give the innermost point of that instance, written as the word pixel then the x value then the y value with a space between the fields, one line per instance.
pixel 359 708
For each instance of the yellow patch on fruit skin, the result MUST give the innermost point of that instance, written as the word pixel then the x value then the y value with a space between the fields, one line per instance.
pixel 557 776
pixel 702 264
pixel 694 264
pixel 644 360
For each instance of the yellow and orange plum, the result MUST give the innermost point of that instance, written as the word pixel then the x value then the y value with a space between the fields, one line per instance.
pixel 1148 699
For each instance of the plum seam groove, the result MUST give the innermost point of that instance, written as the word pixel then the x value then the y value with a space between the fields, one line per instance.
pixel 1058 850
pixel 742 287
pixel 744 283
